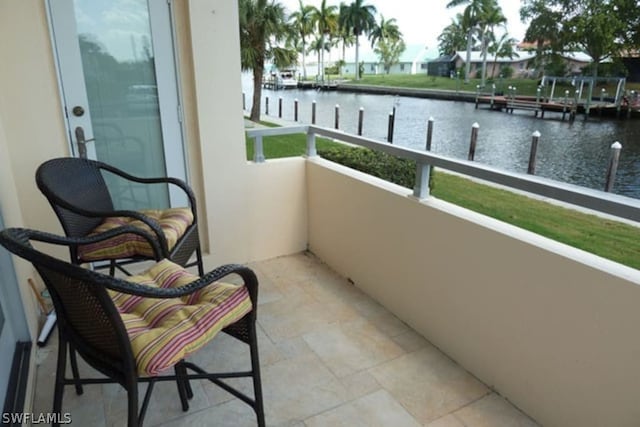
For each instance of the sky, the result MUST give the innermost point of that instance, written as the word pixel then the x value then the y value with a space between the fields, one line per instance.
pixel 421 21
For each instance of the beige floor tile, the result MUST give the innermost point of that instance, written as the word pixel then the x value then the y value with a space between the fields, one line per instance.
pixel 428 384
pixel 299 314
pixel 378 409
pixel 230 414
pixel 493 411
pixel 447 421
pixel 349 347
pixel 410 341
pixel 298 388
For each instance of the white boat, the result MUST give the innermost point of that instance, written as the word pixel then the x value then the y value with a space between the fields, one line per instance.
pixel 287 79
pixel 281 79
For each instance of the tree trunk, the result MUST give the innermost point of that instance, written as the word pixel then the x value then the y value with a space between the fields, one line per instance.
pixel 257 92
pixel 484 60
pixel 304 60
pixel 322 57
pixel 357 57
pixel 467 68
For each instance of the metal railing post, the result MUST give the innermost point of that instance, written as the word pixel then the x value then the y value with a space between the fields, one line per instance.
pixel 311 144
pixel 421 188
pixel 258 149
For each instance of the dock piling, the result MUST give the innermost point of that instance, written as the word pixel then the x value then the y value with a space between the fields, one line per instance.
pixel 616 147
pixel 390 128
pixel 429 133
pixel 266 105
pixel 474 139
pixel 337 117
pixel 295 110
pixel 360 120
pixel 535 137
pixel 313 112
pixel 280 107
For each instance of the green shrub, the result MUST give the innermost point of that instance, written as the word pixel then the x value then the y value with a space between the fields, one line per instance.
pixel 393 169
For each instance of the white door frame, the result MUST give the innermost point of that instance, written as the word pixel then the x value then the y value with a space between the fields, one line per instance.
pixel 61 17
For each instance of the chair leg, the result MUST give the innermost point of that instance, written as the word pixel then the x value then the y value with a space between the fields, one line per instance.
pixel 182 382
pixel 145 402
pixel 255 369
pixel 133 420
pixel 74 370
pixel 112 268
pixel 60 373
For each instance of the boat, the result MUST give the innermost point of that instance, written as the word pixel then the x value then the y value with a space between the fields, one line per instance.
pixel 281 79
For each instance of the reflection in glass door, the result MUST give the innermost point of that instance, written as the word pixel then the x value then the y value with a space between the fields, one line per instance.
pixel 116 64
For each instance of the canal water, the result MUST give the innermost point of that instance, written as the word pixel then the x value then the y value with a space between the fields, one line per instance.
pixel 576 153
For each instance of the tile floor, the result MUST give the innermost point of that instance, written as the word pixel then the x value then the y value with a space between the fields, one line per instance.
pixel 330 356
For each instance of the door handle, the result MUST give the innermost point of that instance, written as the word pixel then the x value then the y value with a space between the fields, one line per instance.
pixel 82 142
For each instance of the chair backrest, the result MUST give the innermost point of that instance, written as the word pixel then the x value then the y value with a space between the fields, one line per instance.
pixel 73 185
pixel 87 316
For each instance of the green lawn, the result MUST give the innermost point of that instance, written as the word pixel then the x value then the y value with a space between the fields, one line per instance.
pixel 422 81
pixel 610 239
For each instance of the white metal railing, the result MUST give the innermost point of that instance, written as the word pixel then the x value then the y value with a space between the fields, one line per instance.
pixel 599 201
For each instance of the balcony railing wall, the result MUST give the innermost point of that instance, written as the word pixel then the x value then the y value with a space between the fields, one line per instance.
pixel 550 327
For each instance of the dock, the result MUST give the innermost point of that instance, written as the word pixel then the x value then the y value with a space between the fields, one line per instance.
pixel 564 107
pixel 307 84
pixel 582 101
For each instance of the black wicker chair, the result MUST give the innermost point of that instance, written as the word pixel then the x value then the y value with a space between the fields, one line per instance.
pixel 91 321
pixel 77 191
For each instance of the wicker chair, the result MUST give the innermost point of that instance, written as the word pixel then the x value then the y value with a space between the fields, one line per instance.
pixel 77 191
pixel 101 317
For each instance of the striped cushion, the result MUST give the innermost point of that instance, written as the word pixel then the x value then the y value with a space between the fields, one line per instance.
pixel 174 222
pixel 163 331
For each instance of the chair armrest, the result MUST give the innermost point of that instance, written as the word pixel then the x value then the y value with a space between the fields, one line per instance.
pixel 151 223
pixel 42 236
pixel 248 276
pixel 155 180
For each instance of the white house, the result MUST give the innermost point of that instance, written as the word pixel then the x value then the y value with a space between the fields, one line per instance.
pixel 410 62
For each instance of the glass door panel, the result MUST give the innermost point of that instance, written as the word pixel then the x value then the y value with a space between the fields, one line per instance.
pixel 119 75
pixel 115 60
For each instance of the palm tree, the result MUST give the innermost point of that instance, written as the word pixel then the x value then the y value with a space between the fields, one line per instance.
pixel 386 29
pixel 502 48
pixel 491 18
pixel 262 26
pixel 326 21
pixel 453 38
pixel 472 16
pixel 302 22
pixel 358 18
pixel 347 39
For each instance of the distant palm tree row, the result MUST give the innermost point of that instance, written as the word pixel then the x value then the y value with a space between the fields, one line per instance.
pixel 476 24
pixel 267 34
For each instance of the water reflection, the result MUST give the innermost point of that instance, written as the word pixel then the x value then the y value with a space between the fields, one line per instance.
pixel 576 153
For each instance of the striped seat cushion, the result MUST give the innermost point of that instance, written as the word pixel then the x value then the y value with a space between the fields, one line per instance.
pixel 174 222
pixel 164 331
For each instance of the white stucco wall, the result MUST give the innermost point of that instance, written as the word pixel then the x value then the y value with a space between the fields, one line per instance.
pixel 252 211
pixel 552 328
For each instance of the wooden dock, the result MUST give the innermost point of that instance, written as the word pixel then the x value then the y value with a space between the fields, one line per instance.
pixel 328 85
pixel 569 108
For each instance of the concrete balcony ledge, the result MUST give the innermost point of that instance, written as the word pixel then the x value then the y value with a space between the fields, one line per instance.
pixel 550 327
